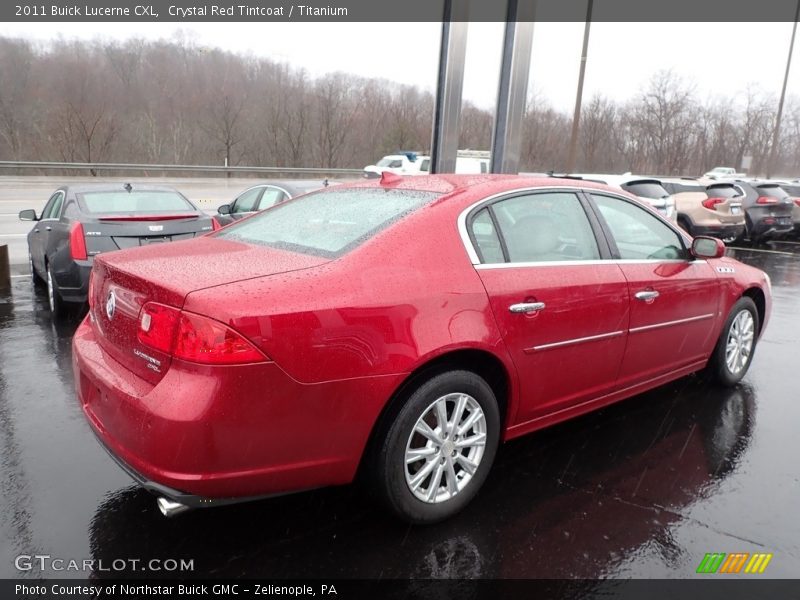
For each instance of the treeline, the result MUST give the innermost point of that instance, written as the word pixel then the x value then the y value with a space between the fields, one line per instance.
pixel 179 103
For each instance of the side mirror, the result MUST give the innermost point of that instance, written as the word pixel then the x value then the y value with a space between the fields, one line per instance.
pixel 225 209
pixel 707 247
pixel 28 215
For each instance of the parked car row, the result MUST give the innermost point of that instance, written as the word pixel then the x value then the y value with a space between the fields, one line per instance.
pixel 81 221
pixel 731 209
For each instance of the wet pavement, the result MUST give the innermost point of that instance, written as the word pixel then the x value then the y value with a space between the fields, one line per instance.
pixel 641 489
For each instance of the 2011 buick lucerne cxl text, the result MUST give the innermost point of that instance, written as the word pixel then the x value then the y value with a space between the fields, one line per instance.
pixel 398 329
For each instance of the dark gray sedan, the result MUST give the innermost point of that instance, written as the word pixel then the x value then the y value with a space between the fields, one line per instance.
pixel 80 221
pixel 263 196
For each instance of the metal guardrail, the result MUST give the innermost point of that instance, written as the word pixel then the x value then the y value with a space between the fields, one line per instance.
pixel 12 164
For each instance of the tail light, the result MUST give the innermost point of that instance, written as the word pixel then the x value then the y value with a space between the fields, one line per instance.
pixel 90 297
pixel 193 337
pixel 711 203
pixel 796 201
pixel 215 226
pixel 77 243
pixel 766 200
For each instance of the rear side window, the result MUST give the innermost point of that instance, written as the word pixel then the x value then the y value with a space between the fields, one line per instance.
pixel 486 239
pixel 328 223
pixel 646 189
pixel 134 202
pixel 545 227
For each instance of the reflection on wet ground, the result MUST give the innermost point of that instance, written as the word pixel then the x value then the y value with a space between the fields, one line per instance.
pixel 641 489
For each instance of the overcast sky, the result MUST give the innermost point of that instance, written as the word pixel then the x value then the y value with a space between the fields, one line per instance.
pixel 721 59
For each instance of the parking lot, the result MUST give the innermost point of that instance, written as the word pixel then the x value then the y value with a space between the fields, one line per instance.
pixel 642 489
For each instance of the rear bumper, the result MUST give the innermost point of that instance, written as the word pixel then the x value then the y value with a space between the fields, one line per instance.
pixel 73 280
pixel 770 227
pixel 212 435
pixel 723 232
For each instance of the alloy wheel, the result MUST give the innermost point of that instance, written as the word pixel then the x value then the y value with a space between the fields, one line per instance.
pixel 445 448
pixel 739 344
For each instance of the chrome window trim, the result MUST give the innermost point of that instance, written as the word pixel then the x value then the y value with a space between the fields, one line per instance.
pixel 579 263
pixel 473 255
pixel 671 323
pixel 591 338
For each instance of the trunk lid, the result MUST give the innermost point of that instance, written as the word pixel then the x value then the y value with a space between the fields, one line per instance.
pixel 118 232
pixel 122 282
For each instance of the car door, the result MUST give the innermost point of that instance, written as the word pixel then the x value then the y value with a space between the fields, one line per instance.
pixel 39 237
pixel 674 299
pixel 561 309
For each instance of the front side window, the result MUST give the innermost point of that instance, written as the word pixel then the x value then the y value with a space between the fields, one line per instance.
pixel 638 233
pixel 328 223
pixel 48 210
pixel 542 227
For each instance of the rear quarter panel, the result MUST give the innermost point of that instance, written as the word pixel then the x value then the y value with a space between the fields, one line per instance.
pixel 387 307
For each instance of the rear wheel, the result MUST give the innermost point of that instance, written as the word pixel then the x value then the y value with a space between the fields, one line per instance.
pixel 58 307
pixel 439 449
pixel 734 351
pixel 683 223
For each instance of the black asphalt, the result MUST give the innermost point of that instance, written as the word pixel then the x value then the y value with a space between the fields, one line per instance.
pixel 642 489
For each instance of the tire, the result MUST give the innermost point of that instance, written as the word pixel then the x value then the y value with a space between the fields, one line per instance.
pixel 743 325
pixel 412 500
pixel 683 223
pixel 58 307
pixel 35 279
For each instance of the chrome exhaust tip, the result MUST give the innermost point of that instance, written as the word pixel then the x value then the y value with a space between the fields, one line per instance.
pixel 170 508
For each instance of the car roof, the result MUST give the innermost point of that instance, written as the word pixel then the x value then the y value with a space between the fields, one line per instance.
pixel 481 184
pixel 82 188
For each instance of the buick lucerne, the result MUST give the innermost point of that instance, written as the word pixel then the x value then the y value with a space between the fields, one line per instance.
pixel 397 329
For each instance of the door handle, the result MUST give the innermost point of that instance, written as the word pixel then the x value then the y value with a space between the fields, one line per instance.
pixel 647 295
pixel 48 228
pixel 526 307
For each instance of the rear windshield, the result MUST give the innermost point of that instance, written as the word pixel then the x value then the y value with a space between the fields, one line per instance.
pixel 135 202
pixel 645 189
pixel 677 188
pixel 773 191
pixel 327 223
pixel 723 191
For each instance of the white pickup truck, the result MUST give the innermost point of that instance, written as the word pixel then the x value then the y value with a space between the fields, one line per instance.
pixel 724 173
pixel 412 163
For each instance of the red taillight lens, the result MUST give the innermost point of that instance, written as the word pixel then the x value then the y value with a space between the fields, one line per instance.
pixel 205 340
pixel 711 203
pixel 90 297
pixel 215 226
pixel 766 200
pixel 77 243
pixel 796 201
pixel 157 326
pixel 193 337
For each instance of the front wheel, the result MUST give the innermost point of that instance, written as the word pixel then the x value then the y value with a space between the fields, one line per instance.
pixel 734 350
pixel 440 448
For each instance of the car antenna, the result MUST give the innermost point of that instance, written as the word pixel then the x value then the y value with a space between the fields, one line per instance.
pixel 128 187
pixel 325 182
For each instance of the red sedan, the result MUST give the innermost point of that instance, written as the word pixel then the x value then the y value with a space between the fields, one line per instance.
pixel 399 328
